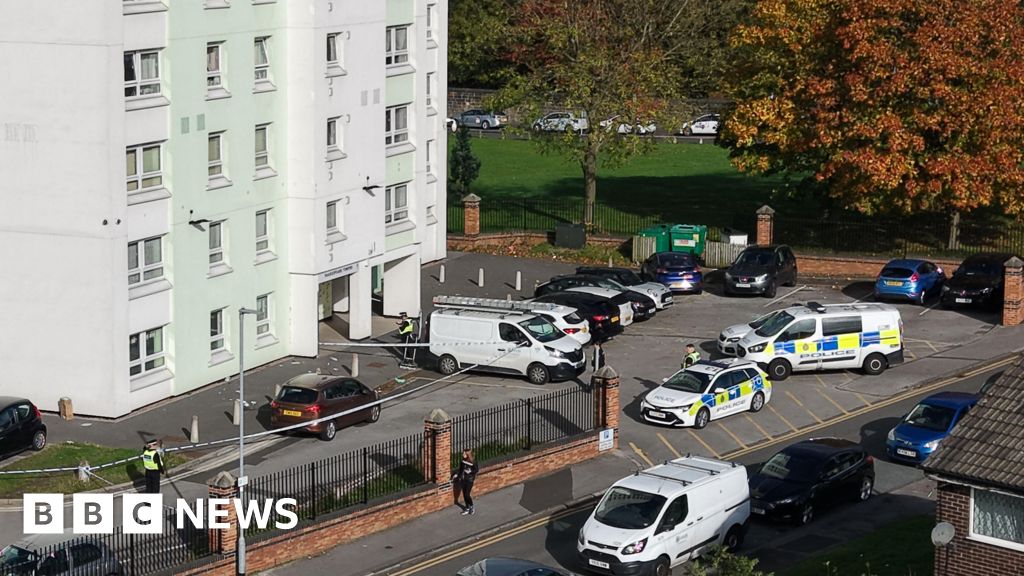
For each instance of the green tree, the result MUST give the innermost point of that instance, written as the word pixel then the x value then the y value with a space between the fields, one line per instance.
pixel 721 562
pixel 478 42
pixel 464 166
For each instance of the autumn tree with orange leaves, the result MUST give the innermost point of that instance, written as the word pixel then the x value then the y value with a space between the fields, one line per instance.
pixel 886 106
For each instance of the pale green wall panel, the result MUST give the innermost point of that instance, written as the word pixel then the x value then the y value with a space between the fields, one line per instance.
pixel 396 241
pixel 400 12
pixel 400 168
pixel 400 89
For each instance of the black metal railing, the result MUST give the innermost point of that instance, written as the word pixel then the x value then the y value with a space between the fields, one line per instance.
pixel 508 430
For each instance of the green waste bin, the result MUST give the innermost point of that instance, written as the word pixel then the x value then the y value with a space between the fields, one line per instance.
pixel 688 238
pixel 660 232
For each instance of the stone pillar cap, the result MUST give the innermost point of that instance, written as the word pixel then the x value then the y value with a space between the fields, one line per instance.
pixel 765 210
pixel 438 416
pixel 223 480
pixel 607 373
pixel 1014 262
pixel 470 198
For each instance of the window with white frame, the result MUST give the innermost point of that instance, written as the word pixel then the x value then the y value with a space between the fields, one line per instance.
pixel 216 234
pixel 332 216
pixel 263 311
pixel 215 155
pixel 217 335
pixel 430 88
pixel 143 167
pixel 141 73
pixel 396 125
pixel 262 146
pixel 213 65
pixel 431 153
pixel 397 51
pixel 997 518
pixel 332 134
pixel 262 58
pixel 334 49
pixel 396 203
pixel 145 260
pixel 263 231
pixel 431 21
pixel 146 351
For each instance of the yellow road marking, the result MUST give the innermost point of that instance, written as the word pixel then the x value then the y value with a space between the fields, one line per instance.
pixel 703 443
pixel 834 403
pixel 783 418
pixel 670 447
pixel 801 404
pixel 734 437
pixel 821 381
pixel 862 399
pixel 758 426
pixel 641 454
pixel 911 352
pixel 930 345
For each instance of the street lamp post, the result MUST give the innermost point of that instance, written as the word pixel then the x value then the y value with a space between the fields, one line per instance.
pixel 242 480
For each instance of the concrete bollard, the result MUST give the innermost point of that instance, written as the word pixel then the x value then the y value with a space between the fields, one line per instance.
pixel 609 261
pixel 519 281
pixel 508 297
pixel 355 365
pixel 440 275
pixel 236 418
pixel 193 435
pixel 480 278
pixel 65 408
pixel 277 390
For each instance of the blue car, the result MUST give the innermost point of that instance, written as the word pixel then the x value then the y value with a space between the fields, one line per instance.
pixel 679 271
pixel 919 433
pixel 913 280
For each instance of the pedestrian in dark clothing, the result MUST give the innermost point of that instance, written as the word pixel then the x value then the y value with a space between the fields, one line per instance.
pixel 598 360
pixel 466 475
pixel 153 463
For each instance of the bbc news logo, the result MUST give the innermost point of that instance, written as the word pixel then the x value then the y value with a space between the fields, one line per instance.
pixel 143 513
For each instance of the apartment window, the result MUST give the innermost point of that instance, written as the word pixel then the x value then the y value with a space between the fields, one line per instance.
pixel 141 73
pixel 213 65
pixel 333 56
pixel 216 234
pixel 143 167
pixel 145 260
pixel 430 89
pixel 396 125
pixel 996 518
pixel 431 21
pixel 332 133
pixel 332 216
pixel 145 351
pixel 217 330
pixel 262 59
pixel 215 155
pixel 397 50
pixel 263 315
pixel 396 203
pixel 263 231
pixel 262 153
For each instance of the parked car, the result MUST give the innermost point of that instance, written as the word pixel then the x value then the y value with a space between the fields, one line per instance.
pixel 599 312
pixel 21 426
pixel 978 281
pixel 811 475
pixel 662 296
pixel 728 338
pixel 74 558
pixel 679 271
pixel 921 431
pixel 567 281
pixel 706 125
pixel 909 279
pixel 477 118
pixel 310 397
pixel 499 566
pixel 620 299
pixel 760 269
pixel 560 122
pixel 706 391
pixel 622 126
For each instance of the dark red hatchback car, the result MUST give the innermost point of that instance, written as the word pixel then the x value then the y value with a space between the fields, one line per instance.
pixel 21 426
pixel 313 396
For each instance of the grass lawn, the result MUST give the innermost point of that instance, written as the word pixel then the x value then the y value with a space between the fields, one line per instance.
pixel 903 548
pixel 68 454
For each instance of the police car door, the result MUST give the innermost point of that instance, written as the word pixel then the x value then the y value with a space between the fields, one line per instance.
pixel 799 342
pixel 728 396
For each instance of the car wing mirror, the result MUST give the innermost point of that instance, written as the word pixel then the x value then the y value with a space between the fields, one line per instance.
pixel 720 390
pixel 664 379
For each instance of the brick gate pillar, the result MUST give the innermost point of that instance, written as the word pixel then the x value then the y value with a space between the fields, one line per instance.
pixel 1013 292
pixel 437 450
pixel 605 384
pixel 471 215
pixel 765 225
pixel 224 485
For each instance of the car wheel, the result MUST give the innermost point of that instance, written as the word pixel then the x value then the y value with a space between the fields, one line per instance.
pixel 537 374
pixel 733 538
pixel 922 298
pixel 779 369
pixel 661 567
pixel 486 125
pixel 769 290
pixel 875 364
pixel 806 514
pixel 702 419
pixel 687 132
pixel 757 402
pixel 329 431
pixel 374 414
pixel 866 486
pixel 447 365
pixel 793 281
pixel 39 440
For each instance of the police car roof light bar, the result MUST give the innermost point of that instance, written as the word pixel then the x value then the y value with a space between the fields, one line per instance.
pixel 817 307
pixel 692 467
pixel 492 304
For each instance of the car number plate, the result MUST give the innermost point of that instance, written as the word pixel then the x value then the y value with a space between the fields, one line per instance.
pixel 292 413
pixel 909 453
pixel 963 300
pixel 656 414
pixel 598 563
pixel 615 318
pixel 756 510
pixel 742 285
pixel 891 283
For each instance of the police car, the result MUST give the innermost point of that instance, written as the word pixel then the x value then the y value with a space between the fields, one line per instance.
pixel 707 390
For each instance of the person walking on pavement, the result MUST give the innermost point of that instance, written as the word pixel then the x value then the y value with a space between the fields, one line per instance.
pixel 692 356
pixel 405 332
pixel 466 475
pixel 599 360
pixel 153 463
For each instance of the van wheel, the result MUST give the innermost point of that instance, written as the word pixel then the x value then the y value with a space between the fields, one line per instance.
pixel 779 369
pixel 661 567
pixel 733 538
pixel 447 365
pixel 329 431
pixel 757 402
pixel 875 364
pixel 39 440
pixel 537 373
pixel 702 419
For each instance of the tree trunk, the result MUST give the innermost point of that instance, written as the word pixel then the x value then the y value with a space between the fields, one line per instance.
pixel 590 185
pixel 954 232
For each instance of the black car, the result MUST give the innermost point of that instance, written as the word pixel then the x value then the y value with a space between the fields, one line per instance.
pixel 760 270
pixel 599 311
pixel 631 279
pixel 21 426
pixel 810 475
pixel 509 567
pixel 977 282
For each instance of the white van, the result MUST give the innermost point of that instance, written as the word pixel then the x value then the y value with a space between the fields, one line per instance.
pixel 663 516
pixel 505 342
pixel 566 318
pixel 817 337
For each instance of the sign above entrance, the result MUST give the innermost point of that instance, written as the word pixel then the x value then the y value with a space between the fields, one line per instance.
pixel 337 272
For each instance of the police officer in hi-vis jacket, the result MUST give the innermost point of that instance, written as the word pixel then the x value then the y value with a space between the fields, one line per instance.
pixel 154 466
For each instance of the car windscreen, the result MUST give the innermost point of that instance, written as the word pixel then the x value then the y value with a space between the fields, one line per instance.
pixel 930 417
pixel 12 556
pixel 785 466
pixel 775 325
pixel 541 329
pixel 978 268
pixel 629 509
pixel 755 258
pixel 894 272
pixel 608 283
pixel 761 320
pixel 297 395
pixel 627 278
pixel 680 259
pixel 688 381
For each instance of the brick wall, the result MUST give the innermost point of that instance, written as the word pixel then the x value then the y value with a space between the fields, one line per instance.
pixel 963 557
pixel 851 267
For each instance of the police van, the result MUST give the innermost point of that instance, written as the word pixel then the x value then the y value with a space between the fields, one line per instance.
pixel 825 337
pixel 658 518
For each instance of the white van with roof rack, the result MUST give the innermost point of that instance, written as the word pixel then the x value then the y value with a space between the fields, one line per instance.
pixel 658 518
pixel 823 337
pixel 565 318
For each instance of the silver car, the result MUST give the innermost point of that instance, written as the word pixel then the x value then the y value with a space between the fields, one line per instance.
pixel 560 122
pixel 477 118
